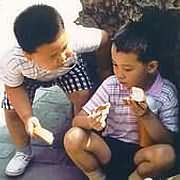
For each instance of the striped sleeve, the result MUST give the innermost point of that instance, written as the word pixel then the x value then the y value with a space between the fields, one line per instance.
pixel 10 72
pixel 169 109
pixel 101 96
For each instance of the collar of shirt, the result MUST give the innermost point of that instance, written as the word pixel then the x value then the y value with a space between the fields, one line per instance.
pixel 156 87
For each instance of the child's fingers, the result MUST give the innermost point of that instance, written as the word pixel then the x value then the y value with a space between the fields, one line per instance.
pixel 138 105
pixel 31 123
pixel 35 122
pixel 97 124
pixel 97 120
pixel 29 128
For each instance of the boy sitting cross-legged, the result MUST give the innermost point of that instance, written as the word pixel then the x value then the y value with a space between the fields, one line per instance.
pixel 116 152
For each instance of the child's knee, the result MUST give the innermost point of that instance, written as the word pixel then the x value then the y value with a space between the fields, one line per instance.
pixel 154 160
pixel 161 153
pixel 75 139
pixel 165 157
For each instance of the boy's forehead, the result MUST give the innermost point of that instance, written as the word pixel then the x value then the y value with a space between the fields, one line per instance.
pixel 128 57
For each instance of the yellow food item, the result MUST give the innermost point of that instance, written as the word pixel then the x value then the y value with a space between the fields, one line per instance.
pixel 44 134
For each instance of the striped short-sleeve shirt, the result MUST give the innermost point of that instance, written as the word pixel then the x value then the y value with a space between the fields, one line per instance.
pixel 14 66
pixel 121 123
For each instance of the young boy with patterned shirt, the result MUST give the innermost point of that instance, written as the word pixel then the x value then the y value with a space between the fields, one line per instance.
pixel 116 152
pixel 46 55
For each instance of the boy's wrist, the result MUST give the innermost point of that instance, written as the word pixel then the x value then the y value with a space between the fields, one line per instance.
pixel 143 115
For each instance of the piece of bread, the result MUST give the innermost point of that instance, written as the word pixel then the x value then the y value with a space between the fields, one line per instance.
pixel 44 134
pixel 104 108
pixel 103 111
pixel 137 94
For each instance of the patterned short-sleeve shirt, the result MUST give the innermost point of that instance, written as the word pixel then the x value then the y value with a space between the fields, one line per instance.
pixel 14 66
pixel 121 123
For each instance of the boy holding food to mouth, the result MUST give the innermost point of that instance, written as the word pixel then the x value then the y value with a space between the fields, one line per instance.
pixel 113 151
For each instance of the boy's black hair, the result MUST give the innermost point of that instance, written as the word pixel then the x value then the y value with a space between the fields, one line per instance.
pixel 37 25
pixel 142 37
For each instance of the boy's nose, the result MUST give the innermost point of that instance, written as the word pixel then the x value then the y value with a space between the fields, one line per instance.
pixel 121 76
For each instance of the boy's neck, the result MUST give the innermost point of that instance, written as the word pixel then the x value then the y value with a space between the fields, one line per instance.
pixel 150 81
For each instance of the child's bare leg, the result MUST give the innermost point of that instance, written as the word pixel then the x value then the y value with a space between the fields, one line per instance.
pixel 16 129
pixel 23 155
pixel 86 149
pixel 154 160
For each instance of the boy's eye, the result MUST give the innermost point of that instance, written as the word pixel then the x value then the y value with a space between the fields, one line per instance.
pixel 114 64
pixel 128 69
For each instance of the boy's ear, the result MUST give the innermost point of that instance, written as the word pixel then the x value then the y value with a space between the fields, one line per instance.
pixel 152 66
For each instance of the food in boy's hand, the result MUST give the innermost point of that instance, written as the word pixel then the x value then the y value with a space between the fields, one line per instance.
pixel 137 94
pixel 104 110
pixel 44 134
pixel 101 111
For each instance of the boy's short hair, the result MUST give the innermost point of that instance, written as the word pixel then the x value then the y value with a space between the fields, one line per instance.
pixel 37 25
pixel 142 37
pixel 134 39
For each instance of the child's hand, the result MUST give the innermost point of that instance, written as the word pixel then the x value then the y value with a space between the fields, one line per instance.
pixel 137 101
pixel 97 118
pixel 139 108
pixel 97 121
pixel 31 123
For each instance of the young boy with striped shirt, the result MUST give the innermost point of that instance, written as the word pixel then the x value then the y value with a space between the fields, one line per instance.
pixel 46 54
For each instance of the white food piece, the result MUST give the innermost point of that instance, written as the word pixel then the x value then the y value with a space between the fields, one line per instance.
pixel 103 122
pixel 137 94
pixel 104 110
pixel 44 134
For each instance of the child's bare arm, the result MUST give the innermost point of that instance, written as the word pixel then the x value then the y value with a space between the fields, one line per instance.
pixel 87 121
pixel 81 120
pixel 152 124
pixel 144 110
pixel 20 101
